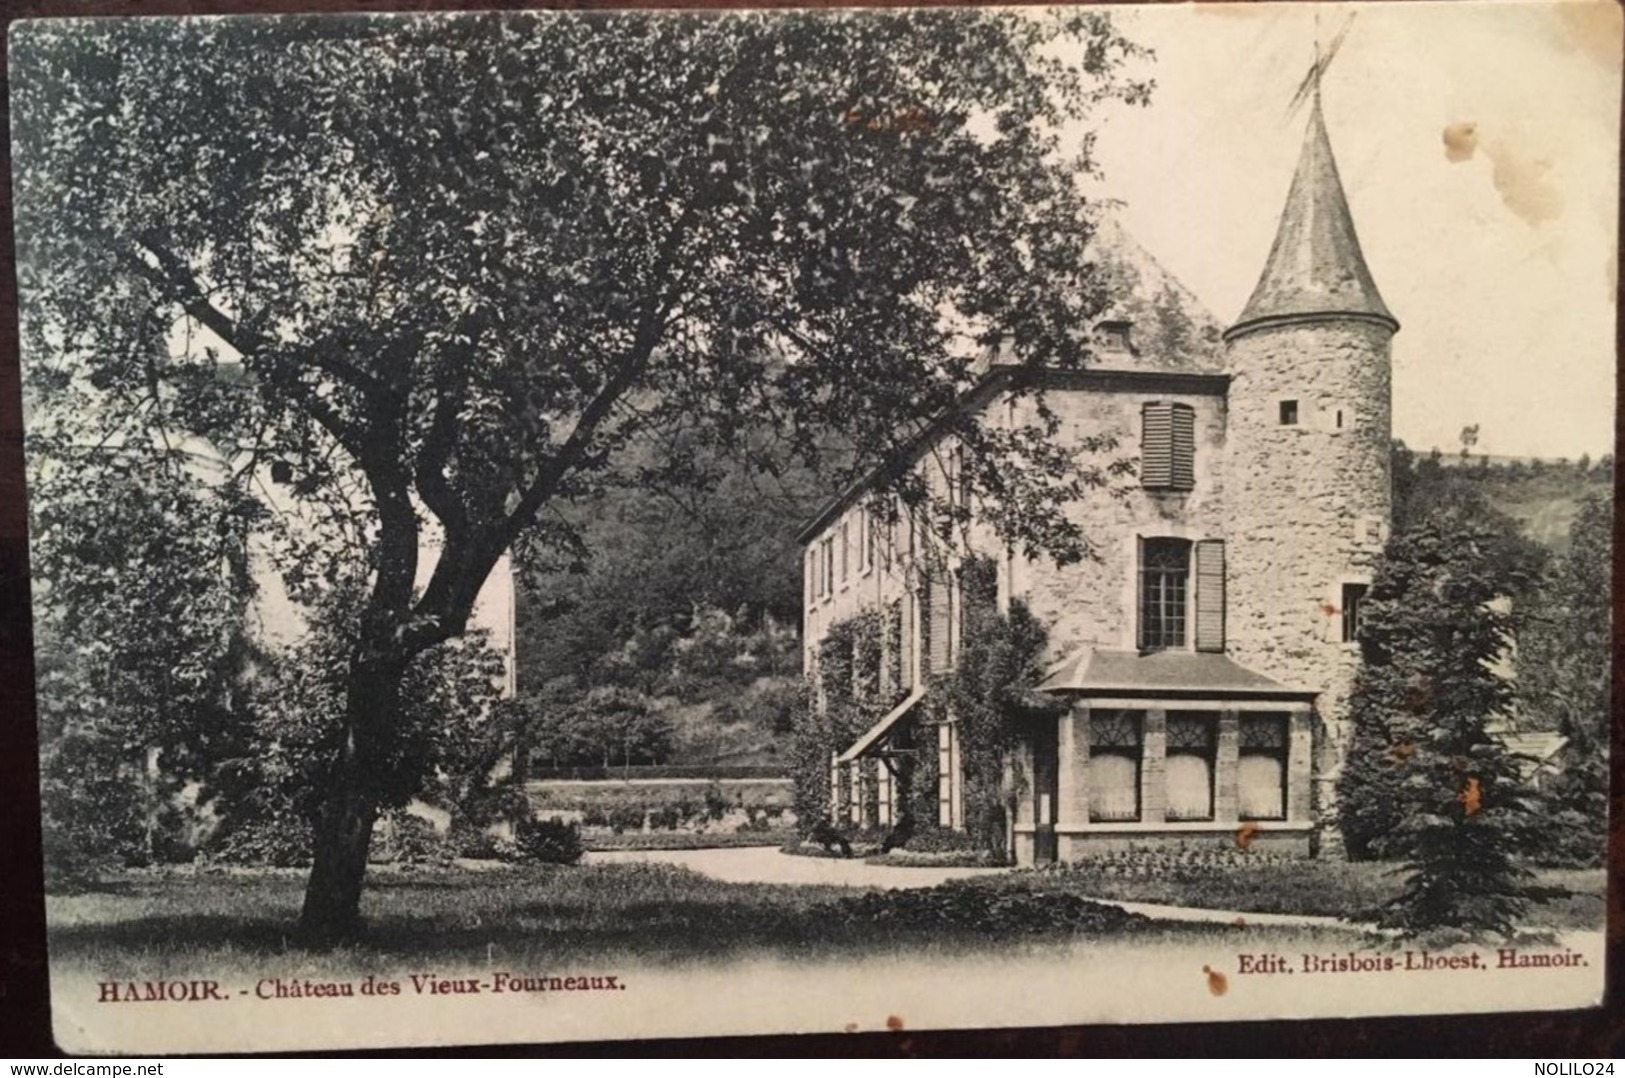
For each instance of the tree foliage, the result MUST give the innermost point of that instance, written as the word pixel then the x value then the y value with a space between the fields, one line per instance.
pixel 143 655
pixel 1564 680
pixel 439 275
pixel 605 726
pixel 1427 781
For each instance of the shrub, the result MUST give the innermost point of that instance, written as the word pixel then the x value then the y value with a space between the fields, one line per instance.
pixel 548 842
pixel 716 802
pixel 1005 909
pixel 469 840
pixel 665 819
pixel 280 842
pixel 626 818
pixel 940 840
pixel 403 839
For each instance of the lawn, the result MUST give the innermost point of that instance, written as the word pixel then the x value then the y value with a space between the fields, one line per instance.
pixel 153 924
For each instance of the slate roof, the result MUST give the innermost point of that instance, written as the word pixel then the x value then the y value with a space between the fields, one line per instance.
pixel 1101 672
pixel 1316 267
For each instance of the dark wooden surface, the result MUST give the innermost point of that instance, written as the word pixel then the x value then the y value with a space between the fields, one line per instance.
pixel 24 1003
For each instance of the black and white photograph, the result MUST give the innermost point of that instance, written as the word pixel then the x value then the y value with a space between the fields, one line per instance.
pixel 576 526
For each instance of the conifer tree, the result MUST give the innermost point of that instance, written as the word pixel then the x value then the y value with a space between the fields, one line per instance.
pixel 1428 782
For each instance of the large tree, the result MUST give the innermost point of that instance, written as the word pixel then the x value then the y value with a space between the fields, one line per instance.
pixel 1428 781
pixel 457 267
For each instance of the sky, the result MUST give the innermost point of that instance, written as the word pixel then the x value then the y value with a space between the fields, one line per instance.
pixel 1478 145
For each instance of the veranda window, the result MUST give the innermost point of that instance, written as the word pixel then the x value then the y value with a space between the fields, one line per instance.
pixel 1191 739
pixel 1114 766
pixel 1261 777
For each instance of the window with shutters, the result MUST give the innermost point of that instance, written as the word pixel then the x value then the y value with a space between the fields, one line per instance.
pixel 1167 446
pixel 1189 765
pixel 1261 770
pixel 826 568
pixel 1115 740
pixel 846 551
pixel 866 542
pixel 1164 585
pixel 1210 595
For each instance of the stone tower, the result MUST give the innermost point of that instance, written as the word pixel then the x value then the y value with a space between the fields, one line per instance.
pixel 1308 485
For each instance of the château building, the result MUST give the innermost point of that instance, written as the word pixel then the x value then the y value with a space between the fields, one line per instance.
pixel 1203 657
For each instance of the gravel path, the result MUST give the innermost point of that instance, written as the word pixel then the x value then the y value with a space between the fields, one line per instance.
pixel 765 864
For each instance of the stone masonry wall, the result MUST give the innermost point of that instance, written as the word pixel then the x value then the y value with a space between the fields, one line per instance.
pixel 1093 603
pixel 1308 508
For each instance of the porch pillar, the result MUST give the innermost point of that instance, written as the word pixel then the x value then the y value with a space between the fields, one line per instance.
pixel 1072 768
pixel 883 794
pixel 1300 765
pixel 1154 768
pixel 854 772
pixel 1227 768
pixel 834 787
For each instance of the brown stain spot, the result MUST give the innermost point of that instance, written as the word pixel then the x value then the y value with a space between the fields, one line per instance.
pixel 851 1027
pixel 1245 834
pixel 894 1023
pixel 1240 922
pixel 1460 141
pixel 1592 29
pixel 1518 171
pixel 1471 796
pixel 1401 752
pixel 1217 983
pixel 1520 178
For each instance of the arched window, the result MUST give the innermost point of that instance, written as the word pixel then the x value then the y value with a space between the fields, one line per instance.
pixel 1190 766
pixel 1261 770
pixel 1114 766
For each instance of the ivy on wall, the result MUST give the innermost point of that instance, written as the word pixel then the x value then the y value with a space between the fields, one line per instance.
pixel 843 698
pixel 991 694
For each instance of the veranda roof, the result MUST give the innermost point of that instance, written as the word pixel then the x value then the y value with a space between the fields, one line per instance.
pixel 876 733
pixel 1104 672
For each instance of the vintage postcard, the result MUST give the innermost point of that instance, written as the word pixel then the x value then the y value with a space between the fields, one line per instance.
pixel 556 526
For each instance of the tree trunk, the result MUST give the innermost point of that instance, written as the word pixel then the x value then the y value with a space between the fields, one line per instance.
pixel 332 910
pixel 343 831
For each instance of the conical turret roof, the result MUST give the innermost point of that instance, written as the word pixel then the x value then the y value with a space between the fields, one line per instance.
pixel 1315 269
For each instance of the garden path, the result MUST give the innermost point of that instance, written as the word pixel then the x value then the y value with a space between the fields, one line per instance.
pixel 765 864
